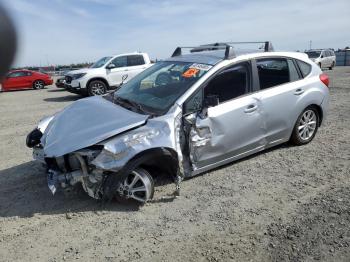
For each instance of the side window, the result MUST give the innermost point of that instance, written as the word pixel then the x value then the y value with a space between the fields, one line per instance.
pixel 272 72
pixel 305 68
pixel 135 60
pixel 293 72
pixel 194 103
pixel 17 74
pixel 230 83
pixel 28 73
pixel 120 61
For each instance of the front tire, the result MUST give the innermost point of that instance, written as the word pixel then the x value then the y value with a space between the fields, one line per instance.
pixel 137 186
pixel 306 126
pixel 38 84
pixel 97 88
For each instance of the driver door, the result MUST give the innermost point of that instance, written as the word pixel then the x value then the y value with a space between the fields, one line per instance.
pixel 116 73
pixel 229 128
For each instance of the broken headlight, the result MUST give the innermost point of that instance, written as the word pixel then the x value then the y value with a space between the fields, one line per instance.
pixel 33 138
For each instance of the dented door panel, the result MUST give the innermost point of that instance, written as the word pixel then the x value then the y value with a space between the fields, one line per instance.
pixel 228 129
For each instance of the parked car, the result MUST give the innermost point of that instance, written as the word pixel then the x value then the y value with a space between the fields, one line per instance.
pixel 183 116
pixel 106 73
pixel 60 82
pixel 324 58
pixel 24 79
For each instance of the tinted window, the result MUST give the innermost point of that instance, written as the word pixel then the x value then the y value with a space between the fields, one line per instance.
pixel 313 54
pixel 272 72
pixel 28 73
pixel 135 60
pixel 293 72
pixel 305 68
pixel 17 74
pixel 231 83
pixel 120 61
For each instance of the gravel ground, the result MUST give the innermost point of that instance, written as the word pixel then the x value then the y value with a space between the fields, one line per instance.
pixel 286 204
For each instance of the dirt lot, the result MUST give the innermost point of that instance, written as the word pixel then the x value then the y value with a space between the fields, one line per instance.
pixel 286 204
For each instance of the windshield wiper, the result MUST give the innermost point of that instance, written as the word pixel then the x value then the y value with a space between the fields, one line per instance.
pixel 133 104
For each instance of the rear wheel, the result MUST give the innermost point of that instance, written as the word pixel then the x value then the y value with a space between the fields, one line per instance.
pixel 320 65
pixel 38 84
pixel 96 88
pixel 331 66
pixel 306 126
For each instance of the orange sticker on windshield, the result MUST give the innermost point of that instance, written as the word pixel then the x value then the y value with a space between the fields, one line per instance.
pixel 190 72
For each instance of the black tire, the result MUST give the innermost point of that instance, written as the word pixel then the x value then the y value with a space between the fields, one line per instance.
pixel 38 84
pixel 97 87
pixel 331 68
pixel 320 65
pixel 296 137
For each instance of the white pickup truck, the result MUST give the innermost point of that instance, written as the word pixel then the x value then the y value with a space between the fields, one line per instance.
pixel 106 74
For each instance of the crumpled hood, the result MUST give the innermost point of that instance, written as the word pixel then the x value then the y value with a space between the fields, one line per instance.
pixel 85 123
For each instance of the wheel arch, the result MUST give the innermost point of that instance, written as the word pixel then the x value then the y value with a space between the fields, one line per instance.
pixel 163 158
pixel 100 79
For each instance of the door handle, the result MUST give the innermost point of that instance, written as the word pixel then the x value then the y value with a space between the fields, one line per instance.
pixel 298 92
pixel 250 108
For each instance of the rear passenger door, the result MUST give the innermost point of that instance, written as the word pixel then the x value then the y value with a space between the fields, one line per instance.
pixel 280 90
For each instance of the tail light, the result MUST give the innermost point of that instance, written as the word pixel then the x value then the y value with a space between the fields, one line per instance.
pixel 324 79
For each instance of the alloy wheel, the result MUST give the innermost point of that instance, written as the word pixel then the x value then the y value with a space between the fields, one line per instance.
pixel 97 89
pixel 39 85
pixel 307 125
pixel 138 186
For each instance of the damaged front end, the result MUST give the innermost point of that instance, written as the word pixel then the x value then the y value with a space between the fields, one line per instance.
pixel 115 166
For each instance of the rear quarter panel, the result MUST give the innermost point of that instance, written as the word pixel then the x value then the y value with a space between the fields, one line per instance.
pixel 316 93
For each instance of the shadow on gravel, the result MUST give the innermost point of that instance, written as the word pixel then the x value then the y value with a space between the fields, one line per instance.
pixel 56 90
pixel 63 98
pixel 24 193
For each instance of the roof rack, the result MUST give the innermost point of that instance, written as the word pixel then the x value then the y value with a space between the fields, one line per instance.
pixel 228 46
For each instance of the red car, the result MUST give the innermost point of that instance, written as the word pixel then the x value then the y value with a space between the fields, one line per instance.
pixel 23 79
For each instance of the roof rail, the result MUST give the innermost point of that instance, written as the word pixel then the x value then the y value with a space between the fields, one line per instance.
pixel 228 46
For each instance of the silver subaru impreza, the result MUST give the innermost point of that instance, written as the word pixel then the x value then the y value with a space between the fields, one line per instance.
pixel 181 117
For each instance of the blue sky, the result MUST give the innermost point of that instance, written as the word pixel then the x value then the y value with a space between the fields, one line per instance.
pixel 69 31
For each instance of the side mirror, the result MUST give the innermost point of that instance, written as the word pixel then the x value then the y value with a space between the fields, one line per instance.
pixel 111 66
pixel 211 100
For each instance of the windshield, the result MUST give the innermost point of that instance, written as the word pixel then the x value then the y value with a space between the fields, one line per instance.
pixel 313 54
pixel 157 88
pixel 101 62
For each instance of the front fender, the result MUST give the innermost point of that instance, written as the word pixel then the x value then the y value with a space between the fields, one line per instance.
pixel 118 151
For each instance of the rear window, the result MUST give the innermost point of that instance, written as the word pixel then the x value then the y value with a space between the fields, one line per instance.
pixel 305 68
